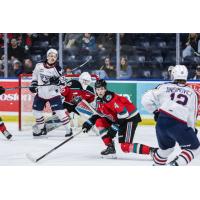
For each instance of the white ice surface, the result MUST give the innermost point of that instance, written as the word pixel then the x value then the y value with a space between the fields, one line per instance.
pixel 82 150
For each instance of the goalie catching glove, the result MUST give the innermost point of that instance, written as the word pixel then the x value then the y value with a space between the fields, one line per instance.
pixel 70 107
pixel 76 100
pixel 89 123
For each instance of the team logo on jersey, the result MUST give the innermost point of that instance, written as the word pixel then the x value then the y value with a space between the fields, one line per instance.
pixel 44 78
pixel 116 106
pixel 108 97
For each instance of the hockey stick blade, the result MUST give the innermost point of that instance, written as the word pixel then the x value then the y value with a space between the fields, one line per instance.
pixel 31 158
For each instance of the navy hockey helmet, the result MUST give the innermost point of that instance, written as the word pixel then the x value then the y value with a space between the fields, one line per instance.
pixel 100 83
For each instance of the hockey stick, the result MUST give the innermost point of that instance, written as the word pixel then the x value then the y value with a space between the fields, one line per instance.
pixel 35 160
pixel 97 112
pixel 24 87
pixel 90 57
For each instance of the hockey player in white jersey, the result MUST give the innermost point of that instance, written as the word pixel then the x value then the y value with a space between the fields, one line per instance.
pixel 49 74
pixel 175 107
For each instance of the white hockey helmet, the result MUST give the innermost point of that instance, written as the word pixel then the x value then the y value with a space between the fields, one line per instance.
pixel 85 79
pixel 52 51
pixel 179 72
pixel 170 71
pixel 170 68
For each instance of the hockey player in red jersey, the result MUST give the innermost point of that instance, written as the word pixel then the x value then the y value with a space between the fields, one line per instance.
pixel 3 128
pixel 76 90
pixel 122 117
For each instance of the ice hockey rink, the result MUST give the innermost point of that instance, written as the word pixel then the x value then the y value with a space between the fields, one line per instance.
pixel 83 150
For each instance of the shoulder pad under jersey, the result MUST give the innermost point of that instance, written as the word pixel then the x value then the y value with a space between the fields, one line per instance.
pixel 74 84
pixel 90 89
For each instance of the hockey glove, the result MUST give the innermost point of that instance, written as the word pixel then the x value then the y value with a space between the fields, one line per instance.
pixel 70 107
pixel 156 115
pixel 54 80
pixel 113 129
pixel 90 123
pixel 87 126
pixel 76 100
pixel 2 90
pixel 33 87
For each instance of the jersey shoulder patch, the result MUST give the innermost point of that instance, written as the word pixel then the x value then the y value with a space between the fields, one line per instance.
pixel 108 96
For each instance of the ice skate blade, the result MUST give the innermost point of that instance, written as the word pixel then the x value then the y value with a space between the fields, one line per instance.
pixel 110 156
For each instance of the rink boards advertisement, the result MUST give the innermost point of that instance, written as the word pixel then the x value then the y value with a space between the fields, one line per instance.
pixel 133 90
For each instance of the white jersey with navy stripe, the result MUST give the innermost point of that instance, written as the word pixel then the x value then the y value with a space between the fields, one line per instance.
pixel 41 75
pixel 177 100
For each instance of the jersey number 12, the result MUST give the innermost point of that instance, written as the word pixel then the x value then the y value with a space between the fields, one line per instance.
pixel 181 98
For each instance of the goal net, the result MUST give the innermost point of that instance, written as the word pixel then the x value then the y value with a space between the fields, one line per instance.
pixel 26 118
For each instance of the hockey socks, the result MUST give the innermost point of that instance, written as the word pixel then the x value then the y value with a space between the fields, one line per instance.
pixel 158 159
pixel 4 130
pixel 136 148
pixel 185 157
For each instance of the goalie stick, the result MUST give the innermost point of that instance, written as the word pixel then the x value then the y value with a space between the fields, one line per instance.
pixel 35 160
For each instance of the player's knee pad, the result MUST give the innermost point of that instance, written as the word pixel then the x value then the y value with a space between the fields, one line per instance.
pixel 125 147
pixel 37 114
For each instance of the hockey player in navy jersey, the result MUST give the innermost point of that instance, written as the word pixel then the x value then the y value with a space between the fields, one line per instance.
pixel 48 73
pixel 175 106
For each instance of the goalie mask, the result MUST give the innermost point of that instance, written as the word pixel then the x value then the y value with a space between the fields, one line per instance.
pixel 85 79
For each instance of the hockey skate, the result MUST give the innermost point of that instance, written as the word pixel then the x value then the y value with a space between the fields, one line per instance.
pixel 69 133
pixel 7 134
pixel 40 132
pixel 109 152
pixel 152 151
pixel 173 162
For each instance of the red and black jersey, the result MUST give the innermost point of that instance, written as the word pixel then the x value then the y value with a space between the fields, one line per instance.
pixel 74 89
pixel 116 107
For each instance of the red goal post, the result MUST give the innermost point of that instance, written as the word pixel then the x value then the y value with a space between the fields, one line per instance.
pixel 25 116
